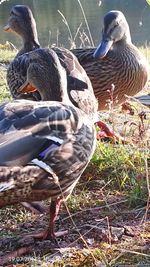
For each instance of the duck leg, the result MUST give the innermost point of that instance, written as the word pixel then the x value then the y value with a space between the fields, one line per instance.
pixel 48 234
pixel 54 209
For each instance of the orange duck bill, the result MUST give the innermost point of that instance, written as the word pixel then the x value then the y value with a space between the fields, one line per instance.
pixel 28 88
pixel 7 28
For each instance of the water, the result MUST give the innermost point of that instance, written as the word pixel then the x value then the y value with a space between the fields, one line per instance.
pixel 52 29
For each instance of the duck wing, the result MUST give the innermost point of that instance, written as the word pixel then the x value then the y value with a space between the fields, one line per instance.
pixel 28 129
pixel 17 77
pixel 78 82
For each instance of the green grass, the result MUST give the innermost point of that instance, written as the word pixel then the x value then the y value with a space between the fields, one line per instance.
pixel 119 161
pixel 4 92
pixel 118 168
pixel 6 55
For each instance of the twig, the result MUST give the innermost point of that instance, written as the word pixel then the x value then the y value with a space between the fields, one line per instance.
pixel 148 188
pixel 80 235
pixel 109 232
pixel 95 208
pixel 134 252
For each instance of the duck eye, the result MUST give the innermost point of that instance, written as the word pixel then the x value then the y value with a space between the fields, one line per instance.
pixel 12 13
pixel 116 25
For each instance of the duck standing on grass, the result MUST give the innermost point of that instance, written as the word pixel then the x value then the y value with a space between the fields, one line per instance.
pixel 45 147
pixel 23 69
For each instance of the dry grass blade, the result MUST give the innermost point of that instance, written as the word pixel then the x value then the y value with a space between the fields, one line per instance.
pixel 77 31
pixel 135 252
pixel 80 235
pixel 68 27
pixel 95 208
pixel 86 22
pixel 148 188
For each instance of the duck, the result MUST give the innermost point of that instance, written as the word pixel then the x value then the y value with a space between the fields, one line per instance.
pixel 44 148
pixel 21 22
pixel 38 64
pixel 144 99
pixel 116 64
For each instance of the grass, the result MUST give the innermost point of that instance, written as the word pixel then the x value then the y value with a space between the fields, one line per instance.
pixel 122 166
pixel 6 55
pixel 112 192
pixel 4 92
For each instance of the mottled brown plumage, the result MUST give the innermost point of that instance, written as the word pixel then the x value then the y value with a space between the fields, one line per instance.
pixel 116 61
pixel 37 69
pixel 45 146
pixel 20 71
pixel 51 132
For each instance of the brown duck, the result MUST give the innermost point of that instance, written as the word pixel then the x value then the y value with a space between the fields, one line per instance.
pixel 45 147
pixel 115 61
pixel 22 22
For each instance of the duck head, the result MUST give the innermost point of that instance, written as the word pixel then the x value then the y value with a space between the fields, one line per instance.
pixel 22 22
pixel 115 29
pixel 46 75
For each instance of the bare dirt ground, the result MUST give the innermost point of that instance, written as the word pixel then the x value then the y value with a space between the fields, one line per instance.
pixel 104 230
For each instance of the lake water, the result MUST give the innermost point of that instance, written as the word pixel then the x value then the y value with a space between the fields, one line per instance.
pixel 52 29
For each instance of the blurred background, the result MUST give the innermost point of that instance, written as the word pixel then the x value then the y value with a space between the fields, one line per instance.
pixel 53 31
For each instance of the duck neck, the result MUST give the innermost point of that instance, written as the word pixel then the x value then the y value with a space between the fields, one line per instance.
pixel 53 92
pixel 127 36
pixel 55 78
pixel 31 43
pixel 30 40
pixel 121 45
pixel 57 90
pixel 126 39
